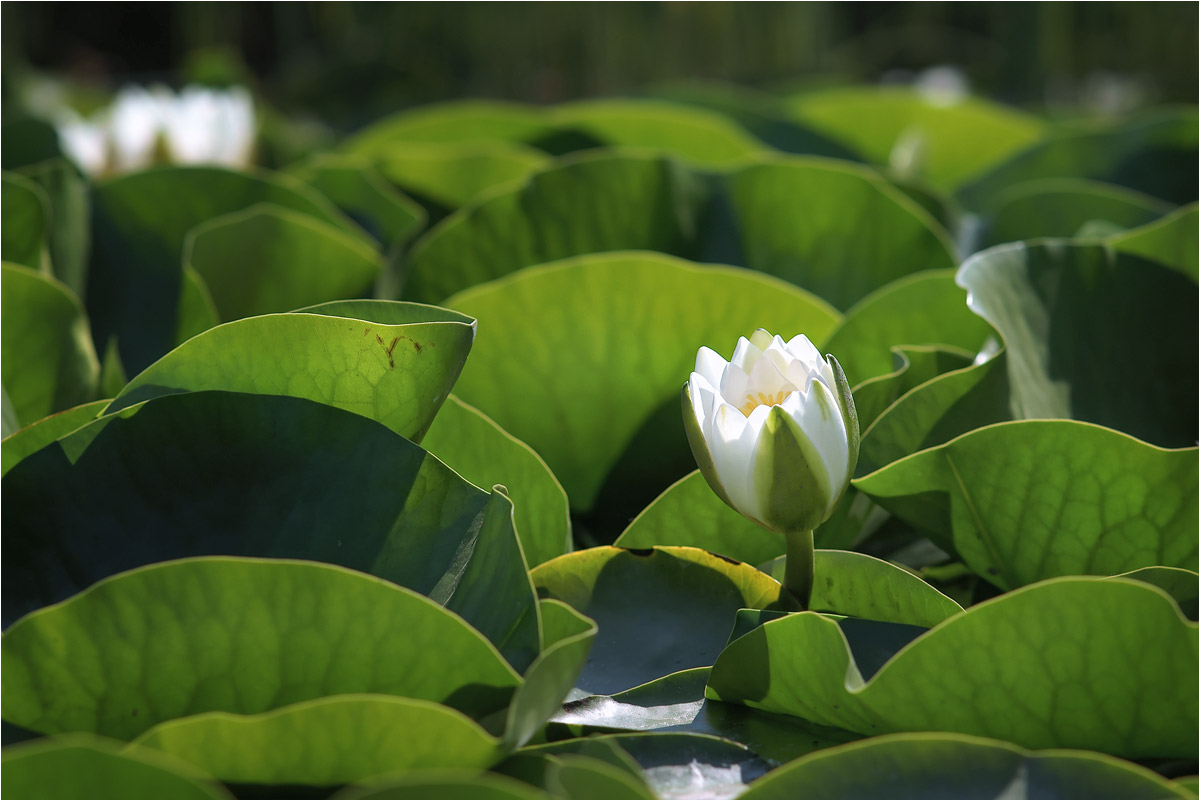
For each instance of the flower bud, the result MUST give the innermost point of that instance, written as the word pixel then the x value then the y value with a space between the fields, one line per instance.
pixel 773 430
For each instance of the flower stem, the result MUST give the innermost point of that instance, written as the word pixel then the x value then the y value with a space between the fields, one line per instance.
pixel 798 571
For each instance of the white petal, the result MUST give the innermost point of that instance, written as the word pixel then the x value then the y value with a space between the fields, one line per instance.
pixel 746 354
pixel 761 338
pixel 820 419
pixel 85 143
pixel 733 385
pixel 711 365
pixel 703 398
pixel 135 123
pixel 801 348
pixel 766 378
pixel 732 446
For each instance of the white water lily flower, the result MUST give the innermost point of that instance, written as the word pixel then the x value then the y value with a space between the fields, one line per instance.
pixel 774 430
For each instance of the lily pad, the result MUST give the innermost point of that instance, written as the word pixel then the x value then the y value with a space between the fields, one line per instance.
pixel 238 635
pixel 451 784
pixel 35 436
pixel 49 363
pixel 452 174
pixel 580 331
pixel 1173 240
pixel 26 221
pixel 327 742
pixel 926 308
pixel 944 139
pixel 1057 305
pixel 269 259
pixel 914 366
pixel 482 452
pixel 1060 207
pixel 139 224
pixel 658 611
pixel 94 767
pixel 1029 500
pixel 929 765
pixel 1099 664
pixel 392 362
pixel 68 237
pixel 251 475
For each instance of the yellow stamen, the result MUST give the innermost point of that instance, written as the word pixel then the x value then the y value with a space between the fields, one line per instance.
pixel 761 399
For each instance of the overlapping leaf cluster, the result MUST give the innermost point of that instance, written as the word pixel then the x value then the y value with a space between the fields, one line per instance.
pixel 368 475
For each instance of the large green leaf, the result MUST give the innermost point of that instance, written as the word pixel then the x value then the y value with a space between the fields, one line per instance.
pixel 485 454
pixel 658 611
pixel 828 254
pixel 595 202
pixel 26 221
pixel 567 638
pixel 93 767
pixel 355 187
pixel 922 309
pixel 934 412
pixel 1028 500
pixel 37 435
pixel 139 224
pixel 914 365
pixel 1173 241
pixel 861 586
pixel 1154 153
pixel 605 341
pixel 455 122
pixel 1093 335
pixel 1062 206
pixel 1102 664
pixel 269 259
pixel 693 135
pixel 936 765
pixel 261 476
pixel 944 140
pixel 49 363
pixel 605 202
pixel 69 234
pixel 453 174
pixel 392 362
pixel 327 742
pixel 689 513
pixel 238 635
pixel 450 784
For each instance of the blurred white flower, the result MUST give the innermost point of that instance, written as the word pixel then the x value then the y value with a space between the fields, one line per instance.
pixel 142 127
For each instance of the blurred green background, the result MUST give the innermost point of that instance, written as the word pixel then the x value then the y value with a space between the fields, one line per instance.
pixel 348 64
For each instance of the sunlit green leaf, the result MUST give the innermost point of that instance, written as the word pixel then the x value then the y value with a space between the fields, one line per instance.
pixel 1173 240
pixel 26 221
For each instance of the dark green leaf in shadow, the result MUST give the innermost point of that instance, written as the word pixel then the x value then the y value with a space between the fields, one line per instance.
pixel 327 742
pixel 69 236
pixel 10 424
pixel 584 777
pixel 1154 153
pixel 81 766
pixel 37 435
pixel 252 475
pixel 945 140
pixel 449 784
pixel 26 140
pixel 238 635
pixel 1033 499
pixel 1061 206
pixel 48 362
pixel 1101 664
pixel 1182 585
pixel 197 312
pixel 578 331
pixel 921 309
pixel 482 452
pixel 937 765
pixel 1057 305
pixel 268 259
pixel 1173 241
pixel 139 224
pixel 362 356
pixel 25 221
pixel 938 410
pixel 658 611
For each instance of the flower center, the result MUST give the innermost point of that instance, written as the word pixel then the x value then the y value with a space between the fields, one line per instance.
pixel 762 399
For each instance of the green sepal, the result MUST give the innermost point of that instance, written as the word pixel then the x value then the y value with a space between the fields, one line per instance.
pixel 793 495
pixel 849 414
pixel 700 450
